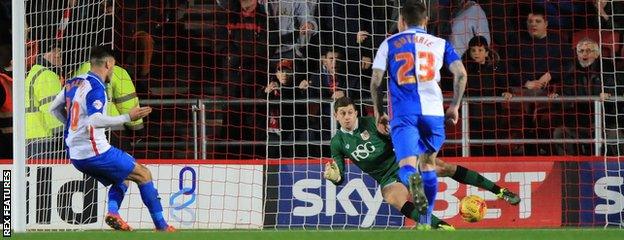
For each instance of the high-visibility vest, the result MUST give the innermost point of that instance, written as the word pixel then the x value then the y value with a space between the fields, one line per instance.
pixel 42 86
pixel 121 94
pixel 6 109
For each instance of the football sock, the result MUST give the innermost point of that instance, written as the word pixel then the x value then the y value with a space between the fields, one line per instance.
pixel 405 172
pixel 467 176
pixel 115 197
pixel 430 185
pixel 409 210
pixel 150 198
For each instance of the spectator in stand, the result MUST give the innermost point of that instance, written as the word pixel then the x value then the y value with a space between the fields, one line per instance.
pixel 323 86
pixel 359 28
pixel 293 34
pixel 43 130
pixel 138 22
pixel 486 78
pixel 538 57
pixel 470 20
pixel 586 78
pixel 540 54
pixel 279 91
pixel 241 39
pixel 294 25
pixel 245 22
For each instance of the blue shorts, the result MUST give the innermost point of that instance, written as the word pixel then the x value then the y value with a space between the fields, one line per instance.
pixel 112 166
pixel 413 135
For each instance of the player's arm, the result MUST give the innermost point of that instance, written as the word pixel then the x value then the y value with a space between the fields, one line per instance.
pixel 459 85
pixel 57 107
pixel 95 110
pixel 377 96
pixel 379 67
pixel 459 81
pixel 334 170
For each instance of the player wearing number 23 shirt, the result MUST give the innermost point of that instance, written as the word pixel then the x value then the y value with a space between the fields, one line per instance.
pixel 414 59
pixel 415 110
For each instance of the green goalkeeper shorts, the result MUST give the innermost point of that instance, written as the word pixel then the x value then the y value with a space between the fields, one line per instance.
pixel 386 181
pixel 390 177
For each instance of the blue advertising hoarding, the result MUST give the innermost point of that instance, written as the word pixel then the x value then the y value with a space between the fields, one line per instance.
pixel 600 198
pixel 307 200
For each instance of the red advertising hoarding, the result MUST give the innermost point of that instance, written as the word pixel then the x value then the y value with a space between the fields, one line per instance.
pixel 538 184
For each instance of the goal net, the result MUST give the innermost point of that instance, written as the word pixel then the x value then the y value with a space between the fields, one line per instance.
pixel 59 35
pixel 157 44
pixel 610 183
pixel 546 143
pixel 243 93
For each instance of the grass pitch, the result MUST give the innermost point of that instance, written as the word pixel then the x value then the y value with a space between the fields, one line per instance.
pixel 405 234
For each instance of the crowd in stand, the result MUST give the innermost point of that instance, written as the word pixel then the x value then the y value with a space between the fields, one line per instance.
pixel 511 49
pixel 301 55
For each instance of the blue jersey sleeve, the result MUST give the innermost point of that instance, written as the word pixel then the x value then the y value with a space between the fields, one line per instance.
pixel 449 54
pixel 96 98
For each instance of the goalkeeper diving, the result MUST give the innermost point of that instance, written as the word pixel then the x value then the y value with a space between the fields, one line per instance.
pixel 359 140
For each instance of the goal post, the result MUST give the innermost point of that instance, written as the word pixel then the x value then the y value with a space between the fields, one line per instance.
pixel 611 41
pixel 51 39
pixel 200 57
pixel 18 215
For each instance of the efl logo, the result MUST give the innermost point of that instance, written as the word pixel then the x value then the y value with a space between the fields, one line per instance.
pixel 6 201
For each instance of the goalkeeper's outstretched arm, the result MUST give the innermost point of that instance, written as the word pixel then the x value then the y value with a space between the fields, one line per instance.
pixel 334 170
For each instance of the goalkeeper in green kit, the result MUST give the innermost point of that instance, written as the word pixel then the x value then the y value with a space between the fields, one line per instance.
pixel 358 140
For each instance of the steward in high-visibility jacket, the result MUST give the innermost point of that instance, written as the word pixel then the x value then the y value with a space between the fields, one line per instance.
pixel 121 93
pixel 42 86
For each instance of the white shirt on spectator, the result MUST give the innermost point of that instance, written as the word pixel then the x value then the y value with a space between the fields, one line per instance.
pixel 469 22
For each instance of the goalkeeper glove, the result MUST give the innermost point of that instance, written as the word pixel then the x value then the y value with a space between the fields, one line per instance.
pixel 332 173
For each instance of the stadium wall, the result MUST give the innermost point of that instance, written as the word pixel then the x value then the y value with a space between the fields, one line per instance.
pixel 208 196
pixel 555 191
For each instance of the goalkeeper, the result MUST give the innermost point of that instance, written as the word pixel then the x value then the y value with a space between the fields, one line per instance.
pixel 372 152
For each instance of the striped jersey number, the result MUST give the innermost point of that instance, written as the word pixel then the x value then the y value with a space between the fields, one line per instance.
pixel 425 68
pixel 405 75
pixel 74 110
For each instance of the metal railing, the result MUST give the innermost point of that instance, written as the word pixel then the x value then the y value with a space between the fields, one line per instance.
pixel 200 141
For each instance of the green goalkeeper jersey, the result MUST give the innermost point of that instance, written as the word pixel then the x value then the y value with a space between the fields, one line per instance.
pixel 368 149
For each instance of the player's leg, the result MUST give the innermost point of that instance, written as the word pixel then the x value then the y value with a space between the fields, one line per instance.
pixel 410 177
pixel 116 195
pixel 149 194
pixel 469 177
pixel 404 138
pixel 108 171
pixel 432 136
pixel 396 194
pixel 430 183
